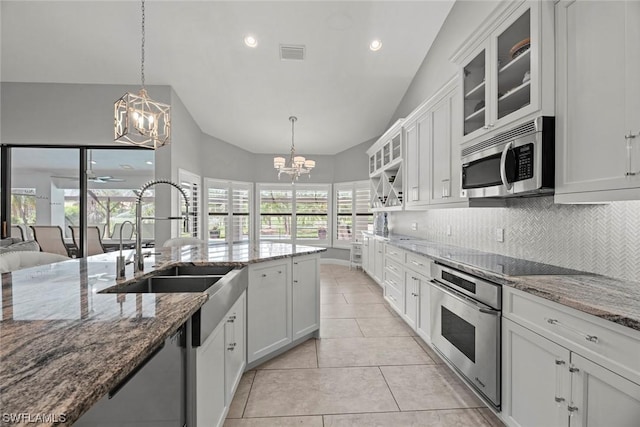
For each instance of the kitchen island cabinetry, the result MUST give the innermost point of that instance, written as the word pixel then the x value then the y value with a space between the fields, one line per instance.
pixel 269 308
pixel 563 368
pixel 598 114
pixel 283 305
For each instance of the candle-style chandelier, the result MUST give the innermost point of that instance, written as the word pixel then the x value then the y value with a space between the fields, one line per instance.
pixel 298 165
pixel 139 120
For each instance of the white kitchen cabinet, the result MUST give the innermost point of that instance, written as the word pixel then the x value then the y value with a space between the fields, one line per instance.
pixel 367 245
pixel 563 367
pixel 598 104
pixel 386 171
pixel 378 263
pixel 506 68
pixel 535 378
pixel 417 162
pixel 210 381
pixel 306 295
pixel 269 308
pixel 235 348
pixel 411 298
pixel 600 397
pixel 423 326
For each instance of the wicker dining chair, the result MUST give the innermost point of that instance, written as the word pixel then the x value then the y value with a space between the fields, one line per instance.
pixel 94 241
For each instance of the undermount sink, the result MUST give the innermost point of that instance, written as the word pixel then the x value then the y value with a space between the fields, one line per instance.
pixel 167 284
pixel 197 270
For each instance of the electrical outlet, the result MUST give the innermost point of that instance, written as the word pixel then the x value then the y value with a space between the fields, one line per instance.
pixel 500 235
pixel 414 226
pixel 448 229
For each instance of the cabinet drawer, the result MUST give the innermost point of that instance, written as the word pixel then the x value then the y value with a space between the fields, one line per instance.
pixel 393 267
pixel 611 345
pixel 393 297
pixel 392 279
pixel 418 263
pixel 395 253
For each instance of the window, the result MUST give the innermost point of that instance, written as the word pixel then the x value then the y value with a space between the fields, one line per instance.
pixel 295 213
pixel 190 183
pixel 228 211
pixel 353 214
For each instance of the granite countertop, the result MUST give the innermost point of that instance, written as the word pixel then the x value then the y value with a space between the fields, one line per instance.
pixel 64 345
pixel 611 299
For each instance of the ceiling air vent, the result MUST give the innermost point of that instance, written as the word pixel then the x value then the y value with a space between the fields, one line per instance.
pixel 292 52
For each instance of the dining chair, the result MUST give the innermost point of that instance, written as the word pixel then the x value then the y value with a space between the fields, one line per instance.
pixel 50 239
pixel 94 241
pixel 181 241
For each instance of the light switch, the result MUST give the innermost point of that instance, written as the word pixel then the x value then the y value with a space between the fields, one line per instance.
pixel 414 226
pixel 500 235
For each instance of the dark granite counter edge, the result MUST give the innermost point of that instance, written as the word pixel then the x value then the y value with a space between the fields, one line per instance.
pixel 521 283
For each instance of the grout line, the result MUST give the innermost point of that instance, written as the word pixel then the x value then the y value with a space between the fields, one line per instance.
pixel 317 356
pixel 244 409
pixel 389 387
pixel 360 328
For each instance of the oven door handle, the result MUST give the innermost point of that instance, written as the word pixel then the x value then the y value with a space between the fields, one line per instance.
pixel 503 165
pixel 465 299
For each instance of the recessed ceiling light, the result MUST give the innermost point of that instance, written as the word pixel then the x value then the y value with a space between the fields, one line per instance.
pixel 149 162
pixel 125 166
pixel 375 45
pixel 250 41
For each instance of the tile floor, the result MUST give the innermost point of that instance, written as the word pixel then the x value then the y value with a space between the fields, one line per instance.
pixel 367 369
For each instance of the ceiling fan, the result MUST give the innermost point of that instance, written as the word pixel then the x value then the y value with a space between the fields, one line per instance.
pixel 91 176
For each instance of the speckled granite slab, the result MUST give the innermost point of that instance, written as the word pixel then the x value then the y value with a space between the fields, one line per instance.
pixel 64 345
pixel 610 299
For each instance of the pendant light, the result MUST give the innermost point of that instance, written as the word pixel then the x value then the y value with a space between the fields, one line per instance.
pixel 298 165
pixel 139 120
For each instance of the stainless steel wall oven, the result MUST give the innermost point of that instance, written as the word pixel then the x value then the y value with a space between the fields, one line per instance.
pixel 465 327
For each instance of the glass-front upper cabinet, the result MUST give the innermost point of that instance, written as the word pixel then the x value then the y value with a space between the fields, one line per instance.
pixel 503 73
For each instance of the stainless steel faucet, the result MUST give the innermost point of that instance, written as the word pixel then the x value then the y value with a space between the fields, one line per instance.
pixel 138 259
pixel 121 263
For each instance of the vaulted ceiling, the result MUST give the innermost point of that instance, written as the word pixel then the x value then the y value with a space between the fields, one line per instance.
pixel 342 92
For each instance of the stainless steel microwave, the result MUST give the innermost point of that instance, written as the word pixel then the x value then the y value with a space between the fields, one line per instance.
pixel 517 162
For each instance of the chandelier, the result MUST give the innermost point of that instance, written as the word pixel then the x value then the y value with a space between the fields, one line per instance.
pixel 298 165
pixel 139 120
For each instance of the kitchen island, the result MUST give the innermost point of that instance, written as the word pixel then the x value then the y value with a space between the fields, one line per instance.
pixel 64 344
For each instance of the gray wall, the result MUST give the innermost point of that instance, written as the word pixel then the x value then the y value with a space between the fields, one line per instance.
pixel 437 69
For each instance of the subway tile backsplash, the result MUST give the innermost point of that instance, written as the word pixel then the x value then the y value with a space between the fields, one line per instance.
pixel 602 239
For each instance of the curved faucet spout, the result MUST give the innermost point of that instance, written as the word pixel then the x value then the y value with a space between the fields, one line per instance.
pixel 139 261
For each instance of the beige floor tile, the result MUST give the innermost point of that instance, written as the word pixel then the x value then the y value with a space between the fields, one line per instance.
pixel 328 281
pixel 491 418
pixel 332 299
pixel 339 328
pixel 389 327
pixel 318 391
pixel 428 387
pixel 364 298
pixel 354 289
pixel 353 311
pixel 301 356
pixel 442 418
pixel 329 290
pixel 432 353
pixel 376 288
pixel 339 352
pixel 315 421
pixel 242 394
pixel 359 281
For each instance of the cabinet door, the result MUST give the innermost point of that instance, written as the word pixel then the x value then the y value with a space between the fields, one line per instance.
pixel 535 378
pixel 306 296
pixel 269 308
pixel 418 160
pixel 366 241
pixel 475 88
pixel 441 152
pixel 210 391
pixel 378 265
pixel 423 322
pixel 235 350
pixel 592 68
pixel 633 66
pixel 410 306
pixel 601 397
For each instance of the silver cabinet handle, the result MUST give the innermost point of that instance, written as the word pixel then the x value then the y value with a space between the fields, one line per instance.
pixel 295 281
pixel 232 346
pixel 264 275
pixel 414 294
pixel 572 409
pixel 417 263
pixel 628 142
pixel 588 337
pixel 558 395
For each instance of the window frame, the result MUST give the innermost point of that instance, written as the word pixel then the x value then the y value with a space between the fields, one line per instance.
pixel 353 186
pixel 229 186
